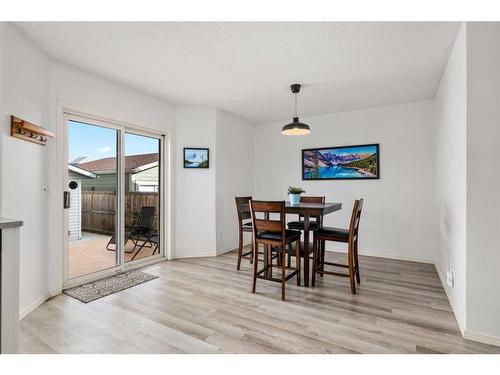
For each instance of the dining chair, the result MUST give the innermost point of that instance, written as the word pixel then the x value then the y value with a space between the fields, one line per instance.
pixel 243 208
pixel 349 236
pixel 272 233
pixel 313 224
pixel 299 224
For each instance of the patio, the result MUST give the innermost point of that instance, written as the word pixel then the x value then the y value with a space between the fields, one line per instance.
pixel 89 254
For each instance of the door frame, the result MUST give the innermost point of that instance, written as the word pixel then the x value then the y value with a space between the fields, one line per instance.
pixel 122 128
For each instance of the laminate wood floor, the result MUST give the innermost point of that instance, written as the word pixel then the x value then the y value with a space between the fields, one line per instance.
pixel 203 305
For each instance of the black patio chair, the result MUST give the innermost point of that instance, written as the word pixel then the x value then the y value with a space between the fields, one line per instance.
pixel 140 232
pixel 153 240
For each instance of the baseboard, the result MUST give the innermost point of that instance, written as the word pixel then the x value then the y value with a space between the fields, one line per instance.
pixel 194 256
pixel 34 305
pixel 386 256
pixel 371 254
pixel 443 283
pixel 482 338
pixel 221 252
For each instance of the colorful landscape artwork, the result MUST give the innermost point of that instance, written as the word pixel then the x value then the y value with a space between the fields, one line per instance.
pixel 341 163
pixel 195 157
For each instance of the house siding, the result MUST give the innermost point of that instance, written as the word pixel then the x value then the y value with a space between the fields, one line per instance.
pixel 74 212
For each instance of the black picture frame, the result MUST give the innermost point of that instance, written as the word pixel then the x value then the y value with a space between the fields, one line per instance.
pixel 205 165
pixel 376 177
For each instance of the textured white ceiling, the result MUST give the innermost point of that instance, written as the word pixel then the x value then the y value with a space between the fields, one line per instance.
pixel 246 68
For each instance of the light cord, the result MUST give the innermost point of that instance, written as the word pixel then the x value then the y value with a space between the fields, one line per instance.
pixel 296 115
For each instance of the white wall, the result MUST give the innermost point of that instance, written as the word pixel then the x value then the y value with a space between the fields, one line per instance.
pixel 2 111
pixel 415 211
pixel 24 172
pixel 450 172
pixel 38 89
pixel 77 90
pixel 398 215
pixel 483 181
pixel 234 175
pixel 195 188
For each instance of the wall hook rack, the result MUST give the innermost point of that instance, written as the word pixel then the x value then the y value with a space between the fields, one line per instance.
pixel 29 132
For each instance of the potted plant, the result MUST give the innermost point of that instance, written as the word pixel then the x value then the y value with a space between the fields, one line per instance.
pixel 294 193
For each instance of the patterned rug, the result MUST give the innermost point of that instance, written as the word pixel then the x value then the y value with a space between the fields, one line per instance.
pixel 101 288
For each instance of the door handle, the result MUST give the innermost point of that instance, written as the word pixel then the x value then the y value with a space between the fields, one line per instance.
pixel 66 199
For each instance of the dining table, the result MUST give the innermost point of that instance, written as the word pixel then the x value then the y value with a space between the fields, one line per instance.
pixel 308 210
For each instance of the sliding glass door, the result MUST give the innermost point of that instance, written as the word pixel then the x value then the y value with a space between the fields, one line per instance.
pixel 142 196
pixel 112 198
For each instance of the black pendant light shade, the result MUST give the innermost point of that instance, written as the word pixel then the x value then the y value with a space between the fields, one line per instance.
pixel 295 127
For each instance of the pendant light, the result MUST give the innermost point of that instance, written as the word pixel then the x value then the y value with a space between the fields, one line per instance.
pixel 295 127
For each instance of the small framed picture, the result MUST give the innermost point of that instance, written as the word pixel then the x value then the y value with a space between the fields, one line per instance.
pixel 195 157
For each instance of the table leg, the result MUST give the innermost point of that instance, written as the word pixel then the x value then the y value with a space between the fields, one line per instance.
pixel 306 249
pixel 267 250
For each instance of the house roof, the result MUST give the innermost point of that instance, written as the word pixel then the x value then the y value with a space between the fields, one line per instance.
pixel 133 163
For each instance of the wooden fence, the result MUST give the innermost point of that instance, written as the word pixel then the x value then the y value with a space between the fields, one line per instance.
pixel 99 210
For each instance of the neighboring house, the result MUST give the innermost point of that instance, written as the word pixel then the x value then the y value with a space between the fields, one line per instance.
pixel 141 173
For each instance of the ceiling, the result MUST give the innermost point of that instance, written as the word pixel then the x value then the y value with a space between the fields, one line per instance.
pixel 246 68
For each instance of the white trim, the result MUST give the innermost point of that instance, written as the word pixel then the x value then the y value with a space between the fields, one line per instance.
pixel 23 314
pixel 481 337
pixel 81 171
pixel 443 283
pixel 386 256
pixel 145 167
pixel 222 252
pixel 85 116
pixel 144 262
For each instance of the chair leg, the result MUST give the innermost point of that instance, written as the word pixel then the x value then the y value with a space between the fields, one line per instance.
pixel 270 261
pixel 155 247
pixel 322 257
pixel 356 262
pixel 289 260
pixel 297 261
pixel 283 272
pixel 137 252
pixel 109 242
pixel 315 260
pixel 240 250
pixel 255 264
pixel 350 256
pixel 251 245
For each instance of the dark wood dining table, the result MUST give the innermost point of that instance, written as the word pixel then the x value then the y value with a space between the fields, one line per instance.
pixel 308 210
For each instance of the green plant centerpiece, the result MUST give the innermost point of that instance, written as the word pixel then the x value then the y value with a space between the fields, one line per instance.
pixel 294 193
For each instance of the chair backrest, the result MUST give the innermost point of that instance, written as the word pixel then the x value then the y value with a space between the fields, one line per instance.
pixel 267 224
pixel 146 216
pixel 243 208
pixel 311 199
pixel 355 218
